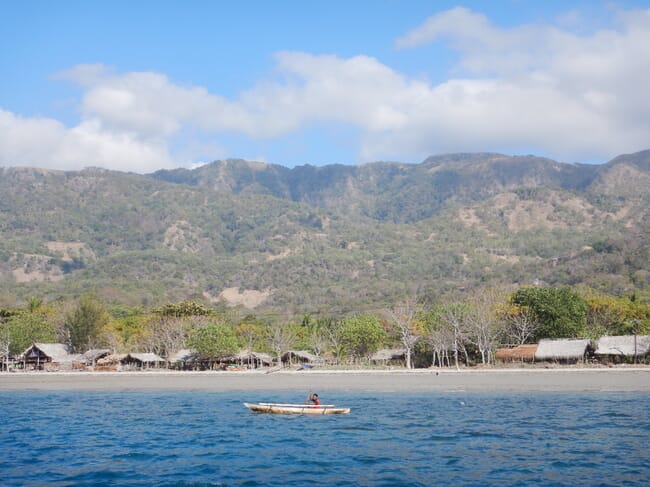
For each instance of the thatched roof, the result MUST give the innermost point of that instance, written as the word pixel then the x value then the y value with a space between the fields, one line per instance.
pixel 301 355
pixel 112 359
pixel 565 349
pixel 387 354
pixel 56 352
pixel 183 355
pixel 96 354
pixel 518 353
pixel 624 345
pixel 264 358
pixel 145 358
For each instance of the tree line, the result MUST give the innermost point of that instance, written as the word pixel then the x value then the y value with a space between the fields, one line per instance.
pixel 447 333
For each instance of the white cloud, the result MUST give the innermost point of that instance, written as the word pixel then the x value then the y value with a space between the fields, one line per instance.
pixel 43 142
pixel 529 87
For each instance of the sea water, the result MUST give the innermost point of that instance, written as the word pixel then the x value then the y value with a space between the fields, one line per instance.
pixel 211 439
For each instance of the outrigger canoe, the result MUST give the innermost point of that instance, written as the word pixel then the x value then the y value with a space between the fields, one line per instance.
pixel 274 408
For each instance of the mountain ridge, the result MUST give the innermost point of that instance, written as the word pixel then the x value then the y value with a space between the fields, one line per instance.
pixel 325 239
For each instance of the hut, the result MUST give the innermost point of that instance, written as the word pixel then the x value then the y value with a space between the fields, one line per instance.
pixel 110 363
pixel 520 353
pixel 185 359
pixel 91 357
pixel 254 360
pixel 48 356
pixel 626 347
pixel 301 357
pixel 389 356
pixel 564 350
pixel 141 361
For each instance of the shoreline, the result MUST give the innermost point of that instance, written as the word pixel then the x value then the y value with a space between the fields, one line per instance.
pixel 615 379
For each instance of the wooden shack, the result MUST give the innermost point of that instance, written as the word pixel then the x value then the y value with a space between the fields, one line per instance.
pixel 91 357
pixel 110 363
pixel 253 360
pixel 48 356
pixel 141 361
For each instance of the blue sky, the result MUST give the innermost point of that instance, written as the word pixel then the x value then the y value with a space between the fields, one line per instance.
pixel 143 85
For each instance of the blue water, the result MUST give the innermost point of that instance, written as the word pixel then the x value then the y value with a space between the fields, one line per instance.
pixel 197 439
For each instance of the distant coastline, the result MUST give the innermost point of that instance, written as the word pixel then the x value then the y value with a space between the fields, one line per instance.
pixel 560 379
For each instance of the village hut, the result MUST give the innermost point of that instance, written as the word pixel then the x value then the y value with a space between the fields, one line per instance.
pixel 185 359
pixel 91 357
pixel 48 356
pixel 389 356
pixel 520 353
pixel 110 363
pixel 624 347
pixel 564 350
pixel 141 361
pixel 253 360
pixel 301 357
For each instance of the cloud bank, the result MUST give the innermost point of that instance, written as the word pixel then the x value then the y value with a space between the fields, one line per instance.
pixel 532 87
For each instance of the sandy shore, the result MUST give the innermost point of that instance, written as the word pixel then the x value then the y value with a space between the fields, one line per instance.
pixel 626 379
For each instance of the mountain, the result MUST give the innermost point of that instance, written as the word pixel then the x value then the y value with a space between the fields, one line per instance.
pixel 329 239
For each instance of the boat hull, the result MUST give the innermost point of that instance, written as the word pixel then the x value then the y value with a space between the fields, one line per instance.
pixel 273 408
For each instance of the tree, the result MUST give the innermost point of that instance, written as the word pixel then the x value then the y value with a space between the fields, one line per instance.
pixel 166 334
pixel 186 308
pixel 482 323
pixel 25 328
pixel 520 325
pixel 362 335
pixel 84 323
pixel 439 337
pixel 403 319
pixel 454 316
pixel 213 341
pixel 610 315
pixel 560 312
pixel 332 329
pixel 281 338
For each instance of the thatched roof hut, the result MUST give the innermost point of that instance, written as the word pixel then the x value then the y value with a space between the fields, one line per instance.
pixel 624 346
pixel 303 357
pixel 185 359
pixel 389 355
pixel 92 356
pixel 50 355
pixel 142 360
pixel 564 350
pixel 112 359
pixel 254 359
pixel 184 355
pixel 520 353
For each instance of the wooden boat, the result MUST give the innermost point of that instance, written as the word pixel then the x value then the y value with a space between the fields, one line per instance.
pixel 274 408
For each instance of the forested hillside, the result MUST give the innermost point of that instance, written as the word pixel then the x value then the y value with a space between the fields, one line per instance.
pixel 328 239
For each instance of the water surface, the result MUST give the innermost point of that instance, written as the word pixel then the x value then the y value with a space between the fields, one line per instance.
pixel 199 438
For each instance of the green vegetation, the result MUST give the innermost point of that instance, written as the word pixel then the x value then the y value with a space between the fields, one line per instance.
pixel 560 312
pixel 448 333
pixel 330 241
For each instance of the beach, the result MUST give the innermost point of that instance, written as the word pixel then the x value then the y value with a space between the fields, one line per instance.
pixel 616 379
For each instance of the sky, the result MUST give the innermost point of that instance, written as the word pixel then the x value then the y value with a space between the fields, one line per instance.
pixel 145 85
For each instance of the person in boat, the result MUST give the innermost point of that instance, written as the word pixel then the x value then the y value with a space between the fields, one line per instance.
pixel 313 399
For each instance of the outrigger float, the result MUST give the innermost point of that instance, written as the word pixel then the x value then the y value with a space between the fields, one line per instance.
pixel 274 408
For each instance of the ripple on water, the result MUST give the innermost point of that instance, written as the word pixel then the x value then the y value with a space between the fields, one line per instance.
pixel 210 439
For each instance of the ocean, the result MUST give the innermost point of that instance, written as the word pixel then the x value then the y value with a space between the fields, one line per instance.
pixel 389 439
